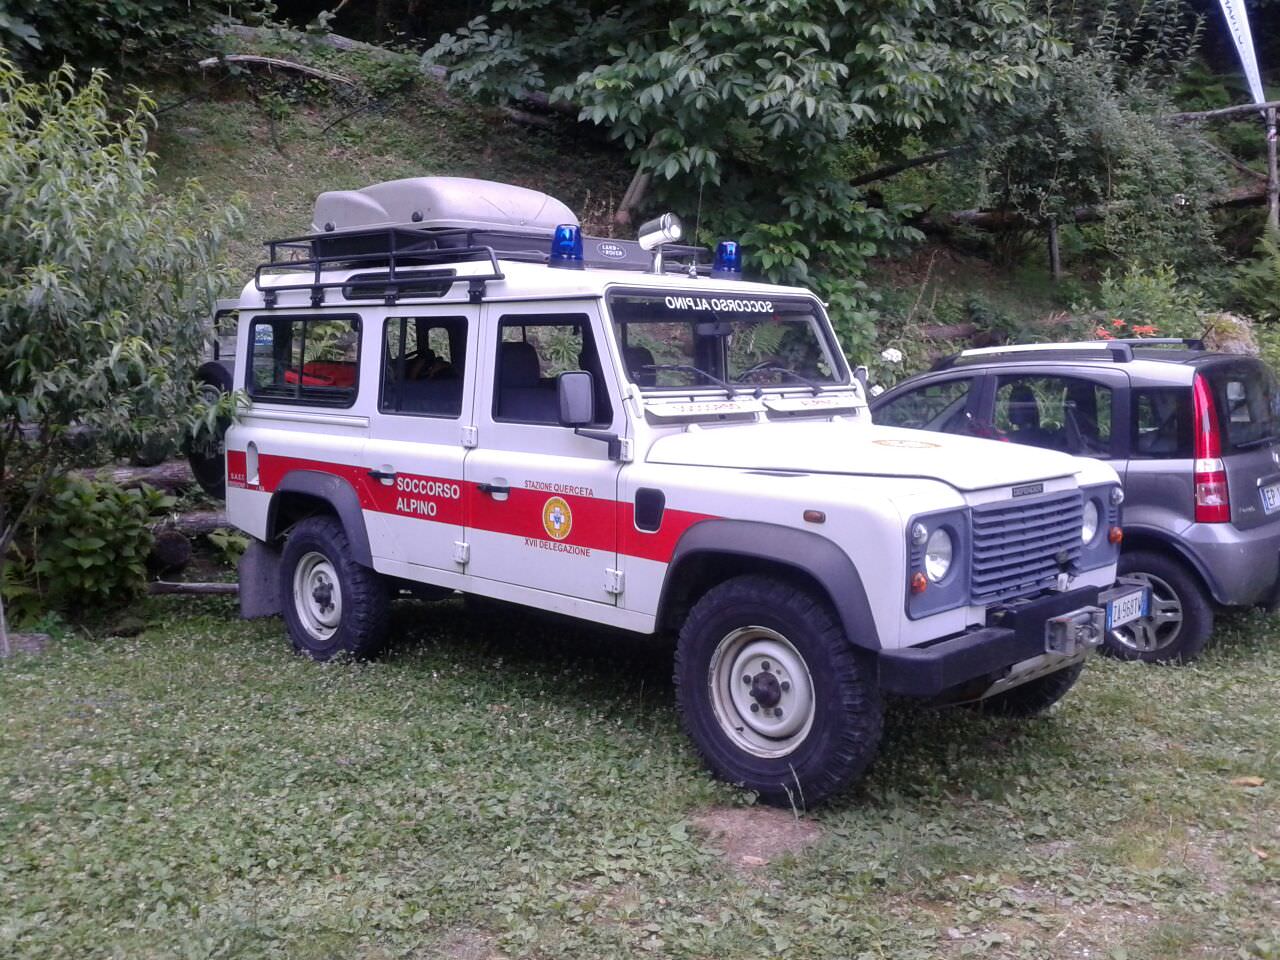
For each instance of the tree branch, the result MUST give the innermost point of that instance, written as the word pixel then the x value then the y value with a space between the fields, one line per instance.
pixel 1221 112
pixel 893 169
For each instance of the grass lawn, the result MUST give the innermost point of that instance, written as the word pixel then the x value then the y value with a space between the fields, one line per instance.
pixel 503 788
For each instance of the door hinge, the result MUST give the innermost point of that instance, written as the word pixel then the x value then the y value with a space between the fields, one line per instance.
pixel 470 437
pixel 626 450
pixel 461 552
pixel 614 580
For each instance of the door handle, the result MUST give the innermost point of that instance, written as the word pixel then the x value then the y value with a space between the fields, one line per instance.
pixel 382 474
pixel 495 489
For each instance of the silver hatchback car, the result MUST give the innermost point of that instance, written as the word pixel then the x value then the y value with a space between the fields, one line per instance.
pixel 1194 435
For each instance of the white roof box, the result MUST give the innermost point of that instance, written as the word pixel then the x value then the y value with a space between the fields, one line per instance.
pixel 453 202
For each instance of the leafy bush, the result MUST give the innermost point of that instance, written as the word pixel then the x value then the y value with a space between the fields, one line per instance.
pixel 1146 303
pixel 89 548
pixel 119 33
pixel 1255 287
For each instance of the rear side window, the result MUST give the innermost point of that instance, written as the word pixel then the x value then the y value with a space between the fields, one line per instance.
pixel 423 366
pixel 305 359
pixel 1070 414
pixel 1162 427
pixel 937 406
pixel 1246 397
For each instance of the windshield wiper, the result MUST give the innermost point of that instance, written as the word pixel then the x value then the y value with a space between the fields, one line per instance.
pixel 685 368
pixel 1256 442
pixel 786 371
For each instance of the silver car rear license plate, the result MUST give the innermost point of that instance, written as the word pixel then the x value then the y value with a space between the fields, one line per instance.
pixel 1270 498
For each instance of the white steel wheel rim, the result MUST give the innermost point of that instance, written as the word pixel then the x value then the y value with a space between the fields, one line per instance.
pixel 761 692
pixel 317 596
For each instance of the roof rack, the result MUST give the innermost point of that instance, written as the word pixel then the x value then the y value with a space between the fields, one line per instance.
pixel 1120 351
pixel 403 250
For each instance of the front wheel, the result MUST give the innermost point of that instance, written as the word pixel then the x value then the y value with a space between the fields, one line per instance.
pixel 773 694
pixel 333 606
pixel 1180 621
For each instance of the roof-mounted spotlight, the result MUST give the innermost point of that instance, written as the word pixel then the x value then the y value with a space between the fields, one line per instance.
pixel 566 247
pixel 654 233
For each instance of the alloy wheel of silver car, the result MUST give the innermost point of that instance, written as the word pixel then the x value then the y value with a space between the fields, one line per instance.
pixel 761 691
pixel 1161 626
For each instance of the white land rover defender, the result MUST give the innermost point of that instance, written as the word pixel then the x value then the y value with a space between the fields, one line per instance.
pixel 453 390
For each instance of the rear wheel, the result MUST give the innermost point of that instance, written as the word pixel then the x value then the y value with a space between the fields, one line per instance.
pixel 1035 696
pixel 206 454
pixel 773 694
pixel 333 606
pixel 1181 618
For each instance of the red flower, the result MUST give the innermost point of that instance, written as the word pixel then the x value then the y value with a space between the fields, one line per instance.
pixel 1102 334
pixel 1144 330
pixel 1117 323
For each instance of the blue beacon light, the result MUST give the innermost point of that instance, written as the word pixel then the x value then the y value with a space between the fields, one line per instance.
pixel 728 265
pixel 566 247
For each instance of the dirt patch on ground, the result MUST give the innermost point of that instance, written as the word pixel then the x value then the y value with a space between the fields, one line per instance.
pixel 469 945
pixel 751 837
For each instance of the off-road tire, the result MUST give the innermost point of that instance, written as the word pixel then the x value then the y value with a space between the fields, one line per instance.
pixel 1167 576
pixel 1034 697
pixel 359 630
pixel 207 458
pixel 846 717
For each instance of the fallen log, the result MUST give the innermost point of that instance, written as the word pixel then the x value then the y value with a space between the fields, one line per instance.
pixel 156 587
pixel 195 523
pixel 170 476
pixel 208 62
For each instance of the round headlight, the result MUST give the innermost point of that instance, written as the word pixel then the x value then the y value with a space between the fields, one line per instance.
pixel 1090 528
pixel 937 554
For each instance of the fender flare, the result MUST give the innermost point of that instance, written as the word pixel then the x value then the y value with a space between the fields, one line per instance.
pixel 802 550
pixel 1172 543
pixel 338 494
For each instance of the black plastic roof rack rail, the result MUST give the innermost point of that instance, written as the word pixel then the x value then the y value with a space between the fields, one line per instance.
pixel 403 251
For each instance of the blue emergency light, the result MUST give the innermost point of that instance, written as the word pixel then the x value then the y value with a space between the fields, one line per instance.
pixel 566 247
pixel 728 265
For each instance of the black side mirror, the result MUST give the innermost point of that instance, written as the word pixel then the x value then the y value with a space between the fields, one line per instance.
pixel 861 374
pixel 576 393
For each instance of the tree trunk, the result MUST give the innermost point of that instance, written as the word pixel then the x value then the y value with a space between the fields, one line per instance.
pixel 1055 254
pixel 169 586
pixel 196 523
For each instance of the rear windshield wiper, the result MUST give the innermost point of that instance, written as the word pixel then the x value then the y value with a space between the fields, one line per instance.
pixel 785 371
pixel 685 368
pixel 1256 442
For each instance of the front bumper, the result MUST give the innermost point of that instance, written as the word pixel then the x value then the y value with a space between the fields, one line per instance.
pixel 983 655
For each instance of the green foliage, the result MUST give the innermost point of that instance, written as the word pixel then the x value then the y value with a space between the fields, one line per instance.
pixel 1255 286
pixel 1147 302
pixel 107 284
pixel 761 108
pixel 1091 141
pixel 92 542
pixel 46 33
pixel 230 544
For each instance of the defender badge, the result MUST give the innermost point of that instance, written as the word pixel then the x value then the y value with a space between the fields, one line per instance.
pixel 1027 489
pixel 557 518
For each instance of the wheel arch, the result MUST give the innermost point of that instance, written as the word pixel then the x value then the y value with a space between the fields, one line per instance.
pixel 308 493
pixel 1147 538
pixel 713 551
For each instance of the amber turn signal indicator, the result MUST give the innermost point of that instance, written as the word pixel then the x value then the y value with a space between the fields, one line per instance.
pixel 1115 535
pixel 919 583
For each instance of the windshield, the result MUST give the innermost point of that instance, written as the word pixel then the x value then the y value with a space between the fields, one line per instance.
pixel 674 341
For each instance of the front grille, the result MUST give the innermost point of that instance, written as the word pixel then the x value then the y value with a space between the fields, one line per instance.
pixel 1020 546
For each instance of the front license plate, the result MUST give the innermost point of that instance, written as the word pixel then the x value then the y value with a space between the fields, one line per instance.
pixel 1127 608
pixel 1271 498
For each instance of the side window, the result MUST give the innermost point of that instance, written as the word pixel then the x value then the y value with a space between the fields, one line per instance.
pixel 532 352
pixel 1162 427
pixel 423 366
pixel 936 406
pixel 307 359
pixel 1059 413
